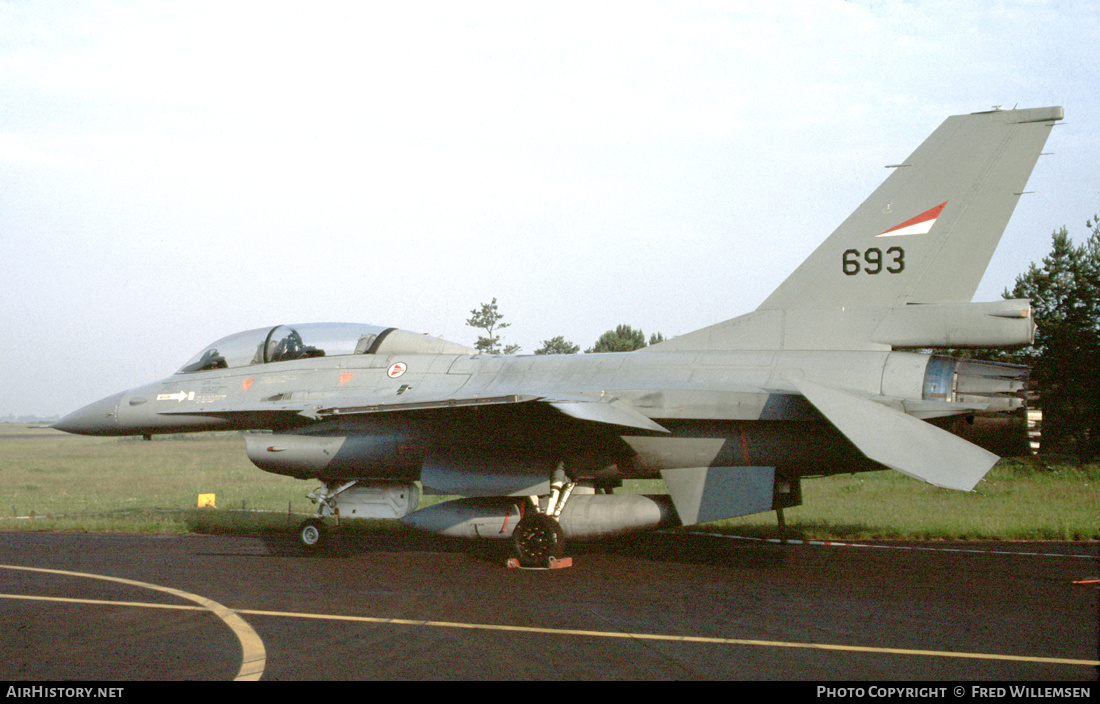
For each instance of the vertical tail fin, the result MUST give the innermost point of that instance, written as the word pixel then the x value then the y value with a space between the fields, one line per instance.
pixel 926 235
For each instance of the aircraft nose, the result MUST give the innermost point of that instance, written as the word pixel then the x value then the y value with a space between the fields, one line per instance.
pixel 99 418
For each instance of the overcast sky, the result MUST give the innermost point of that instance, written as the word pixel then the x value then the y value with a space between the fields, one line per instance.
pixel 171 173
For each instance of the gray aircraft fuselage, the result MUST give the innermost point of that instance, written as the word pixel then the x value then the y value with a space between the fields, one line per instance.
pixel 718 408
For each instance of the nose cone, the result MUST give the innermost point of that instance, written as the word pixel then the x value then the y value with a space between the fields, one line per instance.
pixel 99 418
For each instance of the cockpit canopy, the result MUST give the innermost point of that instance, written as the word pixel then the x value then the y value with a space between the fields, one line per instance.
pixel 288 342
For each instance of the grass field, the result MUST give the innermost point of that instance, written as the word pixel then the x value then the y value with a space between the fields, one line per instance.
pixel 69 482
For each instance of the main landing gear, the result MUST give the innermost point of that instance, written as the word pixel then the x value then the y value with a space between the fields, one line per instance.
pixel 538 539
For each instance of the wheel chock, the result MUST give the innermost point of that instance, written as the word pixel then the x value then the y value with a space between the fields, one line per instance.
pixel 553 563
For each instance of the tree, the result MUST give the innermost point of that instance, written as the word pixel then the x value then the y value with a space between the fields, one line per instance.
pixel 623 339
pixel 1065 358
pixel 558 345
pixel 488 319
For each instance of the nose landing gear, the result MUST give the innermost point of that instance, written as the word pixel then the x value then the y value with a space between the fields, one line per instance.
pixel 312 533
pixel 355 499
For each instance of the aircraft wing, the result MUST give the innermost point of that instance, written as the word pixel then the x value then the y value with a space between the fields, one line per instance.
pixel 606 409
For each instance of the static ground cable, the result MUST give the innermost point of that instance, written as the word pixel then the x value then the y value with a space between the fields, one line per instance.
pixel 833 543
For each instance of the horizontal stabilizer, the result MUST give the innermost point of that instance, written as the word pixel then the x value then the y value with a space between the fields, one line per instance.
pixel 901 442
pixel 702 494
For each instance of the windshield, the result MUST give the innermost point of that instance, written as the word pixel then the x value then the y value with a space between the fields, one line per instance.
pixel 286 342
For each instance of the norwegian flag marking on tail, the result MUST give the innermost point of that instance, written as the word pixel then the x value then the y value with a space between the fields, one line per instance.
pixel 919 225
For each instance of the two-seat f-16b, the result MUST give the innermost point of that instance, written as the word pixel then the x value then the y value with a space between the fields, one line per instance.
pixel 731 417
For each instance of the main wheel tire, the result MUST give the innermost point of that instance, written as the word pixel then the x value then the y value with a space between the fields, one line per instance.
pixel 536 539
pixel 312 533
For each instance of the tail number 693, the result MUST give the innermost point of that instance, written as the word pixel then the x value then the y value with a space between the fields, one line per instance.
pixel 872 261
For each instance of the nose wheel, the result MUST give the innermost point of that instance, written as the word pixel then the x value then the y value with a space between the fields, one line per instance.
pixel 312 533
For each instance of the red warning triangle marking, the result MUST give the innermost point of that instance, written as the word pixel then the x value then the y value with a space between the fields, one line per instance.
pixel 915 226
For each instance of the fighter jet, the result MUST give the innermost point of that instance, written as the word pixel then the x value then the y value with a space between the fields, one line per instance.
pixel 823 378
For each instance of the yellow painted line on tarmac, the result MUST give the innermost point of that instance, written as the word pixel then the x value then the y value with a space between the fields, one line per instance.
pixel 102 602
pixel 682 639
pixel 253 655
pixel 592 634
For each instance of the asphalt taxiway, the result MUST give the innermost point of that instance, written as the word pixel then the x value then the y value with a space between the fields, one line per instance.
pixel 657 606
